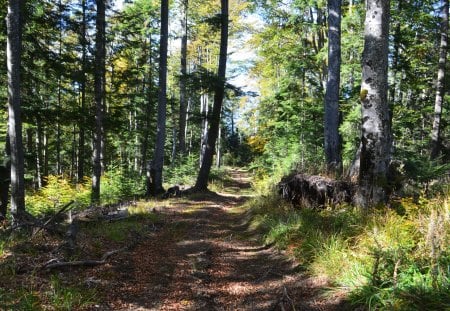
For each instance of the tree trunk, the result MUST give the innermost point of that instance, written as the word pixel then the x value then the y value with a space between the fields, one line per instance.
pixel 183 91
pixel 99 100
pixel 13 52
pixel 331 126
pixel 58 107
pixel 39 152
pixel 202 178
pixel 375 129
pixel 440 84
pixel 204 109
pixel 158 161
pixel 148 113
pixel 81 137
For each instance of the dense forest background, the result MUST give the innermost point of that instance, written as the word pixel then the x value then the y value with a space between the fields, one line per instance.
pixel 274 124
pixel 121 101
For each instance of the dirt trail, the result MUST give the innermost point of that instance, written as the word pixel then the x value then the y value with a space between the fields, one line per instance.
pixel 200 261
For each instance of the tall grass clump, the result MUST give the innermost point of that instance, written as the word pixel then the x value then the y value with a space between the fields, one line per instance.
pixel 382 259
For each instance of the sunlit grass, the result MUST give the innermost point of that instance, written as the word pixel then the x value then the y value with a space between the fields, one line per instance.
pixel 385 260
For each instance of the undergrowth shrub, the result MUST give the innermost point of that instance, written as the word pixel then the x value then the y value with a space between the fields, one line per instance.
pixel 183 172
pixel 118 184
pixel 385 260
pixel 58 191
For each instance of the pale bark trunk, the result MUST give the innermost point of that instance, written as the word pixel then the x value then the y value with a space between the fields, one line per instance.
pixel 202 178
pixel 158 161
pixel 440 84
pixel 13 52
pixel 183 90
pixel 148 112
pixel 39 152
pixel 81 138
pixel 99 100
pixel 204 109
pixel 375 127
pixel 331 126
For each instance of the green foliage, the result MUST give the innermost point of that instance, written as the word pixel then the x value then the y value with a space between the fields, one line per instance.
pixel 63 297
pixel 385 261
pixel 117 184
pixel 119 231
pixel 57 192
pixel 183 172
pixel 23 300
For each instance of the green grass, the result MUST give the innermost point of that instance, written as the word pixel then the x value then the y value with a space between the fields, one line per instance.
pixel 119 231
pixel 53 296
pixel 63 297
pixel 384 260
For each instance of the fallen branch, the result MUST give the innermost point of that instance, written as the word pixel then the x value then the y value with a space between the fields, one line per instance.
pixel 51 264
pixel 62 210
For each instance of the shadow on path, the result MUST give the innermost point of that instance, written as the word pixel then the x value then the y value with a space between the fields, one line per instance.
pixel 201 262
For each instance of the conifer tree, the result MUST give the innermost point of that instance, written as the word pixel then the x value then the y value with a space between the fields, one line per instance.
pixel 13 49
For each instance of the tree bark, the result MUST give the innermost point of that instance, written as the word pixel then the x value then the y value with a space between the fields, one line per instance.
pixel 375 127
pixel 331 126
pixel 13 52
pixel 440 84
pixel 202 178
pixel 183 90
pixel 81 137
pixel 158 161
pixel 99 78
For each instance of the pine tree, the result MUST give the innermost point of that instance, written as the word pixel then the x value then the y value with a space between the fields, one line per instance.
pixel 13 48
pixel 158 160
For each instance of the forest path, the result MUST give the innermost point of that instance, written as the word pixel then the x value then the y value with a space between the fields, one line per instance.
pixel 204 258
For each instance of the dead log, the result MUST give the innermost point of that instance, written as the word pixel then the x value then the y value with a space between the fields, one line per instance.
pixel 54 264
pixel 315 191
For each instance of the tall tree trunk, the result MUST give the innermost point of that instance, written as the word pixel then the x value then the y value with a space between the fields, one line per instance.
pixel 158 161
pixel 375 128
pixel 440 84
pixel 99 100
pixel 204 110
pixel 219 150
pixel 331 126
pixel 81 137
pixel 148 113
pixel 58 105
pixel 13 55
pixel 39 152
pixel 202 178
pixel 183 90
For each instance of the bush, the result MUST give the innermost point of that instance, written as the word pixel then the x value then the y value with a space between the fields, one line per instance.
pixel 57 192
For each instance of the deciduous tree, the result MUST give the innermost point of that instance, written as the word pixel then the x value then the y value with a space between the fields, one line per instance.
pixel 375 153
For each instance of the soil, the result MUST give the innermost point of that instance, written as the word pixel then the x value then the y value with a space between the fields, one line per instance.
pixel 205 260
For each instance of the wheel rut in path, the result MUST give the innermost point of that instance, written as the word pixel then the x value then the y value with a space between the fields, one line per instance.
pixel 204 260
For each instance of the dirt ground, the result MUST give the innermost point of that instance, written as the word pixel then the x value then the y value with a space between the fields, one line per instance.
pixel 203 259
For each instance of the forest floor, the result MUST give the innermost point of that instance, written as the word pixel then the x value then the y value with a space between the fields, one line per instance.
pixel 206 259
pixel 199 255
